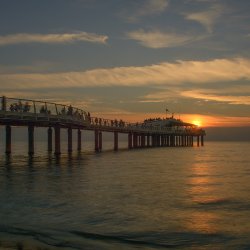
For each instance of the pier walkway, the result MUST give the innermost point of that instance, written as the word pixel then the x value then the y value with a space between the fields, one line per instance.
pixel 153 133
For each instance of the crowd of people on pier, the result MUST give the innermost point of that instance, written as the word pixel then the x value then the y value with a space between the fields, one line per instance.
pixel 25 107
pixel 20 107
pixel 105 122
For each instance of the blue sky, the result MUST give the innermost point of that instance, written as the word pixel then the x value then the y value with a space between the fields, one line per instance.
pixel 131 59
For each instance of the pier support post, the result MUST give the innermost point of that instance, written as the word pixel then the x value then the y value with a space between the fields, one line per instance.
pixel 153 140
pixel 148 140
pixel 49 139
pixel 168 141
pixel 57 140
pixel 8 140
pixel 139 141
pixel 115 140
pixel 135 140
pixel 182 140
pixel 177 140
pixel 31 139
pixel 172 140
pixel 162 140
pixel 79 140
pixel 130 143
pixel 198 140
pixel 142 140
pixel 100 140
pixel 69 140
pixel 96 140
pixel 202 140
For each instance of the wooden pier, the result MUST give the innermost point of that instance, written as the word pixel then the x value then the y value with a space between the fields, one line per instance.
pixel 55 117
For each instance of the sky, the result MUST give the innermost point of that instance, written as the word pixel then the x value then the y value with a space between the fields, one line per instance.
pixel 131 59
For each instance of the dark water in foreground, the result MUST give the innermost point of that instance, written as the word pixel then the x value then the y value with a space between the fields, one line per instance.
pixel 181 198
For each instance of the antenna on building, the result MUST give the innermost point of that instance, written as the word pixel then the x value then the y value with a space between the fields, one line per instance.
pixel 167 113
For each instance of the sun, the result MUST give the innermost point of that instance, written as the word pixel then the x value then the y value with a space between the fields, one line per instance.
pixel 197 123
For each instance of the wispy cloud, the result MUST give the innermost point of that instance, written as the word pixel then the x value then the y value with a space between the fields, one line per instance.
pixel 39 66
pixel 206 18
pixel 52 38
pixel 164 74
pixel 158 39
pixel 231 99
pixel 147 8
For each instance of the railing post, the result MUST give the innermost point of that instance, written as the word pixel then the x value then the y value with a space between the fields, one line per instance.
pixel 31 139
pixel 49 139
pixel 4 103
pixel 34 106
pixel 57 140
pixel 79 140
pixel 8 140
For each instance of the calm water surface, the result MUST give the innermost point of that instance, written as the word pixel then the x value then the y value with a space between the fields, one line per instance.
pixel 158 198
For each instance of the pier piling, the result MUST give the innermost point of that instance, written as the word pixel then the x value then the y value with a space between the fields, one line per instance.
pixel 69 140
pixel 100 140
pixel 96 140
pixel 31 139
pixel 130 143
pixel 115 140
pixel 49 139
pixel 8 140
pixel 79 140
pixel 57 140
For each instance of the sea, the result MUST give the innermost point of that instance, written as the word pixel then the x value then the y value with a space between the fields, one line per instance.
pixel 152 198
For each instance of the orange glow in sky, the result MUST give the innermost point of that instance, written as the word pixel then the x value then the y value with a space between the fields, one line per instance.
pixel 197 119
pixel 197 122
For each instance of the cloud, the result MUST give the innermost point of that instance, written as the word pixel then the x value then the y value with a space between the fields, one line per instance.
pixel 231 99
pixel 163 74
pixel 148 8
pixel 157 39
pixel 52 38
pixel 206 18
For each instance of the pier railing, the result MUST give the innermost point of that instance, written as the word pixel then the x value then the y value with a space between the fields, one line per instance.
pixel 26 109
pixel 44 111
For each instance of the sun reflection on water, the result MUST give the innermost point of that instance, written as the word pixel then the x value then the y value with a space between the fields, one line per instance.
pixel 202 190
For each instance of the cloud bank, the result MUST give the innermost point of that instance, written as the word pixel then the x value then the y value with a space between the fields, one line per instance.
pixel 52 38
pixel 166 74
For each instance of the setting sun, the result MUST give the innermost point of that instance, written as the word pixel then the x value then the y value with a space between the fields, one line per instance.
pixel 197 122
